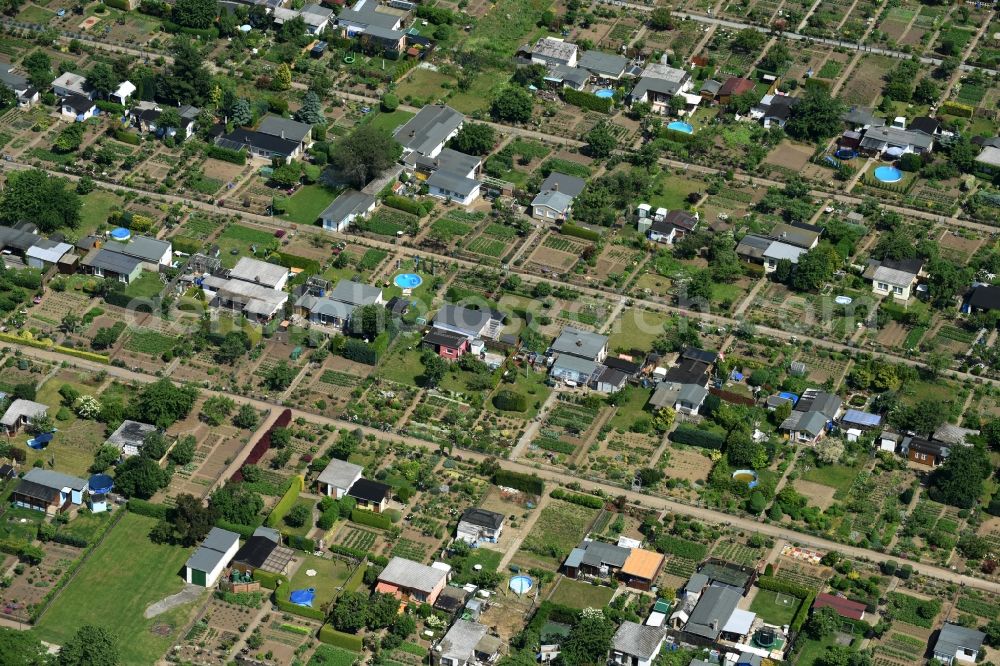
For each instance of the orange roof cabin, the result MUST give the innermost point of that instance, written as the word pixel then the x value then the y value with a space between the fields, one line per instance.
pixel 406 580
pixel 852 610
pixel 641 569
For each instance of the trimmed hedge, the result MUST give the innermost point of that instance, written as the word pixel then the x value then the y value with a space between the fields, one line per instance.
pixel 118 4
pixel 589 501
pixel 784 586
pixel 302 543
pixel 686 433
pixel 358 554
pixel 125 136
pixel 226 155
pixel 370 518
pixel 286 502
pixel 803 612
pixel 269 580
pixel 309 266
pixel 245 531
pixel 570 229
pixel 109 107
pixel 666 543
pixel 207 34
pixel 402 203
pixel 47 344
pixel 331 636
pixel 957 109
pixel 510 401
pixel 586 100
pixel 528 483
pixel 146 508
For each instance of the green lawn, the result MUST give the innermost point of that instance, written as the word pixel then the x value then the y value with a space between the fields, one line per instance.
pixel 766 605
pixel 95 209
pixel 479 94
pixel 673 192
pixel 404 365
pixel 577 594
pixel 240 238
pixel 305 205
pixel 559 529
pixel 723 292
pixel 811 650
pixel 424 84
pixel 33 14
pixel 390 121
pixel 328 655
pixel 147 285
pixel 330 576
pixel 123 576
pixel 636 329
pixel 528 383
pixel 464 568
pixel 631 409
pixel 836 476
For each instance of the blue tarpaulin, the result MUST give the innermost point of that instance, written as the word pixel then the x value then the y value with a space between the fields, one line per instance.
pixel 303 597
pixel 736 376
pixel 789 396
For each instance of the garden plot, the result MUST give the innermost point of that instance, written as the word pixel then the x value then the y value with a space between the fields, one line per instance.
pixel 440 419
pixel 677 571
pixel 872 503
pixel 789 155
pixel 381 405
pixel 565 431
pixel 617 260
pixel 957 247
pixel 820 368
pixel 559 528
pixel 28 588
pixel 819 495
pixel 556 254
pixel 733 551
pixel 73 446
pixel 214 633
pixel 618 457
pixel 687 463
pixel 864 85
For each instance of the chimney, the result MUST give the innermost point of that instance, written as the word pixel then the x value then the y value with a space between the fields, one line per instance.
pixel 579 343
pixel 555 186
pixel 714 624
pixel 282 134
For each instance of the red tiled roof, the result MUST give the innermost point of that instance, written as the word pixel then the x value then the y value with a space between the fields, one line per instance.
pixel 735 86
pixel 844 607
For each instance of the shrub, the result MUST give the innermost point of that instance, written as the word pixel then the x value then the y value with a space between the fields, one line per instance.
pixel 510 401
pixel 570 229
pixel 286 502
pixel 109 107
pixel 588 101
pixel 784 586
pixel 302 543
pixel 370 518
pixel 331 636
pixel 269 580
pixel 666 543
pixel 225 154
pixel 689 434
pixel 147 508
pixel 528 483
pixel 589 501
pixel 404 204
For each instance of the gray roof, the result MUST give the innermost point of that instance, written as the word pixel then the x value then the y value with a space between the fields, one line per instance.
pixel 427 130
pixel 48 250
pixel 212 550
pixel 564 183
pixel 860 115
pixel 661 79
pixel 692 394
pixel 549 47
pixel 638 640
pixel 575 342
pixel 712 612
pixel 557 201
pixel 18 238
pixel 355 293
pixel 411 575
pixel 482 518
pixel 351 202
pixel 574 558
pixel 953 434
pixel 602 63
pixel 954 637
pixel 268 533
pixel 665 394
pixel 142 247
pixel 989 156
pixel 452 182
pixel 696 583
pixel 599 553
pixel 575 364
pixel 879 137
pixel 381 32
pixel 565 73
pixel 894 276
pixel 465 319
pixel 753 247
pixel 364 13
pixel 446 160
pixel 814 400
pixel 710 86
pixel 793 235
pixel 812 423
pixel 110 260
pixel 15 82
pixel 461 640
pixel 284 128
pixel 340 473
pixel 131 433
pixel 256 271
pixel 52 479
pixel 778 250
pixel 325 307
pixel 22 408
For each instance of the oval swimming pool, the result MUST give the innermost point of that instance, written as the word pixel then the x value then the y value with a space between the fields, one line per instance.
pixel 408 280
pixel 521 584
pixel 888 174
pixel 604 93
pixel 681 126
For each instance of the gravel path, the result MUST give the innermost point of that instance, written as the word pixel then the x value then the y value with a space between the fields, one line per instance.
pixel 188 594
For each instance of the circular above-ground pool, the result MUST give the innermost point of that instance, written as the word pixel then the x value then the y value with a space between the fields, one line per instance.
pixel 100 484
pixel 845 154
pixel 408 280
pixel 604 93
pixel 888 174
pixel 681 126
pixel 521 584
pixel 747 476
pixel 121 234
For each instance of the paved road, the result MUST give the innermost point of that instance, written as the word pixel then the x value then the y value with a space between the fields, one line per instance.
pixel 556 476
pixel 855 46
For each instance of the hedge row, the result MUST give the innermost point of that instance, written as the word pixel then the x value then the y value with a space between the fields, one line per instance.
pixel 784 586
pixel 586 100
pixel 570 229
pixel 666 543
pixel 47 344
pixel 528 483
pixel 147 508
pixel 286 502
pixel 589 501
pixel 226 155
pixel 957 109
pixel 331 636
pixel 688 434
pixel 803 612
pixel 370 518
pixel 302 543
pixel 309 266
pixel 269 580
pixel 208 34
pixel 245 531
pixel 109 107
pixel 404 204
pixel 358 554
pixel 118 4
pixel 125 136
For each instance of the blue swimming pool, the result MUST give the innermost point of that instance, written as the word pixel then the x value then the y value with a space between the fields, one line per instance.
pixel 521 584
pixel 888 174
pixel 408 280
pixel 681 126
pixel 604 93
pixel 121 234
